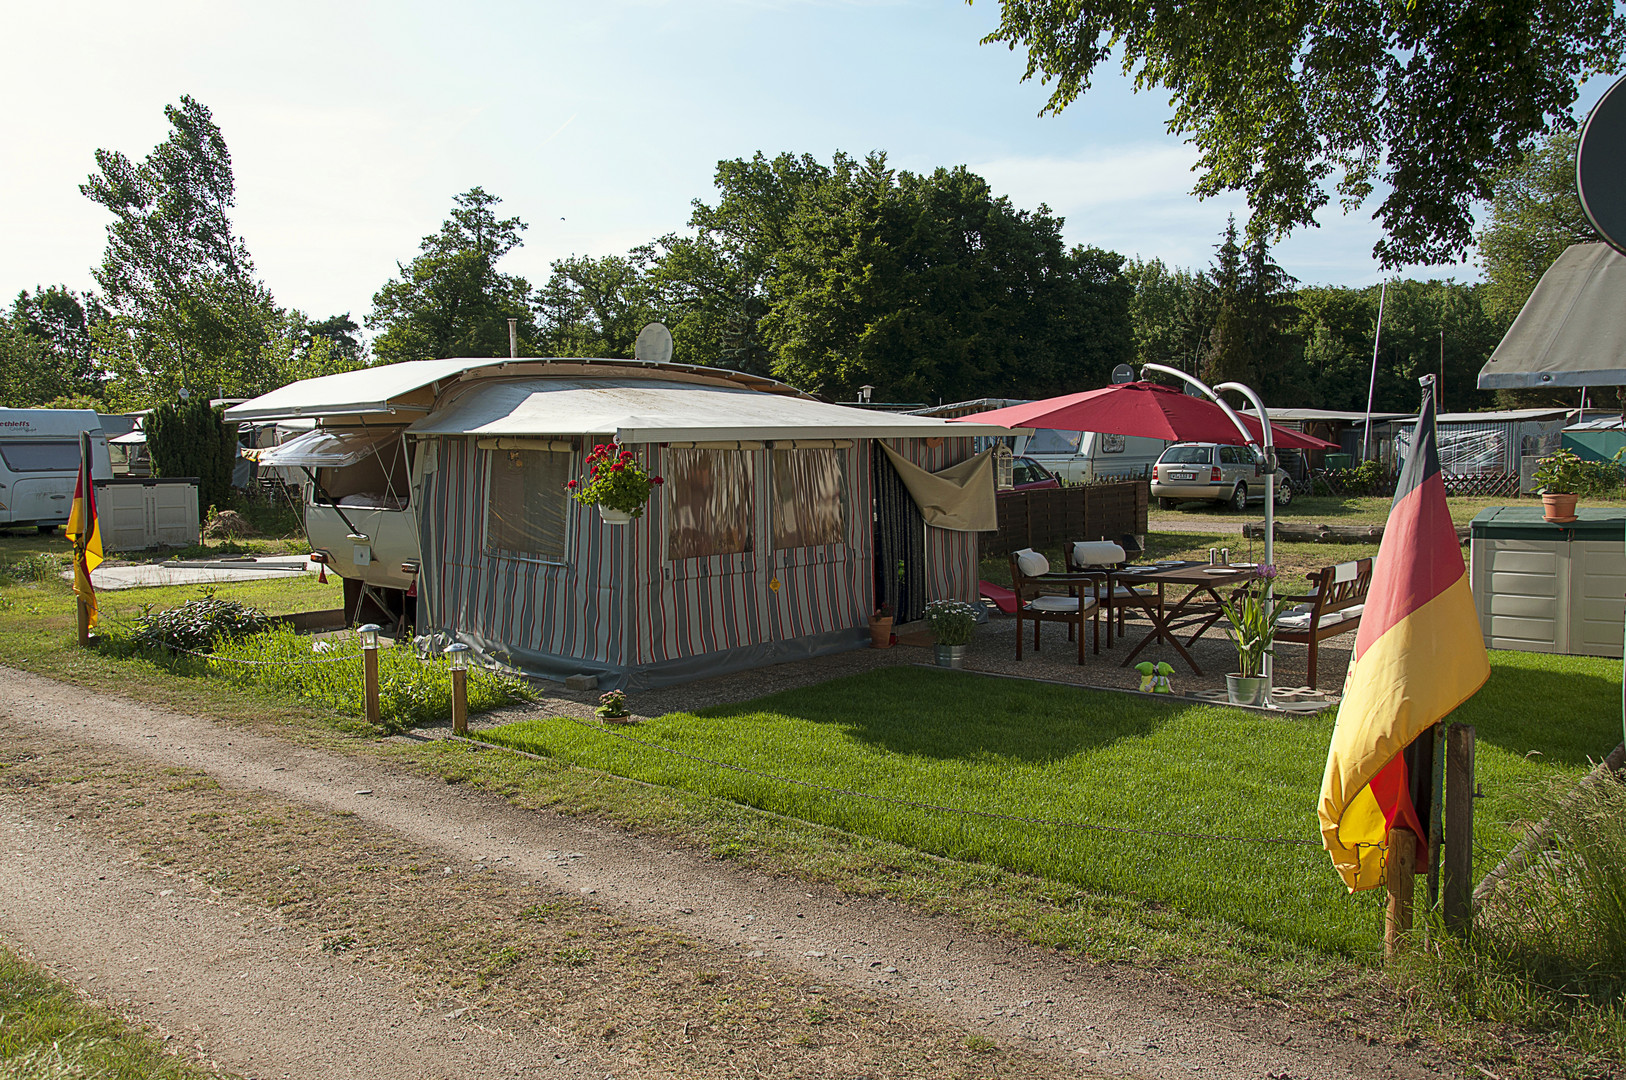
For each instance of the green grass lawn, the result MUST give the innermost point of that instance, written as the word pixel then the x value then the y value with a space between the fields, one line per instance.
pixel 1029 750
pixel 1363 510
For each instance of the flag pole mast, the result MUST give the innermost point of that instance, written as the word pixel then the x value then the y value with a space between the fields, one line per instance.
pixel 1372 384
pixel 81 540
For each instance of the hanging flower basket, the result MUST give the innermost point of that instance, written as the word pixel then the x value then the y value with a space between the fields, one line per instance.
pixel 616 483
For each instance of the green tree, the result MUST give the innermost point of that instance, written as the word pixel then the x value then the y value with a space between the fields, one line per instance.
pixel 1171 314
pixel 451 300
pixel 1280 98
pixel 595 307
pixel 186 307
pixel 48 352
pixel 1535 213
pixel 191 439
pixel 929 287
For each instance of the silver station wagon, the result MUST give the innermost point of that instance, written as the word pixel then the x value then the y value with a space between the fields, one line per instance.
pixel 1227 475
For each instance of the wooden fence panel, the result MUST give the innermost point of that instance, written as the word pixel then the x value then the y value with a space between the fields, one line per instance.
pixel 1051 517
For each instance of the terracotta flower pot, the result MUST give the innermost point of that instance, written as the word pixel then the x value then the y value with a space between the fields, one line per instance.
pixel 880 632
pixel 1560 508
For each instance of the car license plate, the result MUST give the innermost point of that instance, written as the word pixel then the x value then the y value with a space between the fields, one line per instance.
pixel 1182 476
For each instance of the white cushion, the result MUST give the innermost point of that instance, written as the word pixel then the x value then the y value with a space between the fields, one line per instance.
pixel 1119 592
pixel 1097 553
pixel 1031 563
pixel 1345 571
pixel 1059 603
pixel 1301 620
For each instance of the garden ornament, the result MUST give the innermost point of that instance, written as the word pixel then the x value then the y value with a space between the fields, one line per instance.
pixel 1148 681
pixel 1163 673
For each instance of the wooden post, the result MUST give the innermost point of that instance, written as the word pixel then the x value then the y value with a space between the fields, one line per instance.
pixel 1402 868
pixel 1436 823
pixel 460 702
pixel 369 668
pixel 1458 868
pixel 84 621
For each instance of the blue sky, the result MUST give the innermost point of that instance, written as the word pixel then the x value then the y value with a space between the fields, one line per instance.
pixel 351 126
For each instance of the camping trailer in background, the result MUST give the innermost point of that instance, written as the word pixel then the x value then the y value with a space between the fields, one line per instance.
pixel 1080 457
pixel 782 522
pixel 39 464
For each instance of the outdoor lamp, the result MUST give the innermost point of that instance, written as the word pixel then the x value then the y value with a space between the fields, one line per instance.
pixel 369 635
pixel 457 654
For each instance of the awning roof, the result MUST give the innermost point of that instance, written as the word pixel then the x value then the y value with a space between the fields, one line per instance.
pixel 1313 415
pixel 1572 330
pixel 326 448
pixel 653 410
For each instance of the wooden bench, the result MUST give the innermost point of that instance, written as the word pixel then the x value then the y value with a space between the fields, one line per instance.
pixel 1334 608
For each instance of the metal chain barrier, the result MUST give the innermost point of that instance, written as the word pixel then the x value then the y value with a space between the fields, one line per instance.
pixel 912 804
pixel 264 663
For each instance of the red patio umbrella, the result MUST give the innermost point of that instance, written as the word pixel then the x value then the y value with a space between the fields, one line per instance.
pixel 1144 409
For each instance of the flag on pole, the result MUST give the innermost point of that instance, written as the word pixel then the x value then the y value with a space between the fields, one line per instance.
pixel 84 530
pixel 1418 655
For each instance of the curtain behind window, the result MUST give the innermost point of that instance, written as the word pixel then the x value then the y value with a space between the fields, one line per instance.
pixel 808 504
pixel 526 511
pixel 708 503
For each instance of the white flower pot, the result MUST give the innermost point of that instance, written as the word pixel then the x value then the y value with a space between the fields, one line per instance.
pixel 613 517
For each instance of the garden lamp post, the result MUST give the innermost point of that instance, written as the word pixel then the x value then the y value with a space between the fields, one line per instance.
pixel 1268 467
pixel 369 668
pixel 457 656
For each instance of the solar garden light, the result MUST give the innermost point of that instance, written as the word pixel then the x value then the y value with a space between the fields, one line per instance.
pixel 369 668
pixel 457 655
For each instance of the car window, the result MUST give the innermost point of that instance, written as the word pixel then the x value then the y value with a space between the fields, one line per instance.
pixel 1227 455
pixel 1187 455
pixel 1022 473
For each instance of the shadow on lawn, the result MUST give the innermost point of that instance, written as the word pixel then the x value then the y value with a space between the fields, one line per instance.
pixel 958 716
pixel 1562 707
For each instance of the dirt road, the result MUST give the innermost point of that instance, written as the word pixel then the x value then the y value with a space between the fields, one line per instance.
pixel 290 912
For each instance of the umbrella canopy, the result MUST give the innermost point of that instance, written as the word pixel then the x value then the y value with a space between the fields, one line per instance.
pixel 1143 409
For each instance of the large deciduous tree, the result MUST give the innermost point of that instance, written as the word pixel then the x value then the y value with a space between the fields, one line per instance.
pixel 1535 213
pixel 49 353
pixel 451 300
pixel 1286 99
pixel 187 308
pixel 595 307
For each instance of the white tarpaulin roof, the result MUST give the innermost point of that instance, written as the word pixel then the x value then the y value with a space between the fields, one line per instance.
pixel 326 449
pixel 652 410
pixel 1572 330
pixel 367 391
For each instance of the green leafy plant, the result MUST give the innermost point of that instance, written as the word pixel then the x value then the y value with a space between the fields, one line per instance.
pixel 952 622
pixel 616 479
pixel 1251 613
pixel 1561 473
pixel 612 705
pixel 197 625
pixel 191 439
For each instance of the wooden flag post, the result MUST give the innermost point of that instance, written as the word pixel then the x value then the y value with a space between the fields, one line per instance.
pixel 1458 866
pixel 1399 875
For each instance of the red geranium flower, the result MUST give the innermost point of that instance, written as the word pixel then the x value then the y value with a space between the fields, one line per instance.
pixel 617 467
pixel 570 483
pixel 656 480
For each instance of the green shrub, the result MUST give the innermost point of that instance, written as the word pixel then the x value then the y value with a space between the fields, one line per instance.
pixel 191 439
pixel 198 625
pixel 35 568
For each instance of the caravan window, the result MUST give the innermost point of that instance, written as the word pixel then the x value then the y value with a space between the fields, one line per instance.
pixel 808 504
pixel 526 503
pixel 708 503
pixel 40 456
pixel 1054 441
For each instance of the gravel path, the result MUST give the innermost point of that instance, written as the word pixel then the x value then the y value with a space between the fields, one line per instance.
pixel 87 910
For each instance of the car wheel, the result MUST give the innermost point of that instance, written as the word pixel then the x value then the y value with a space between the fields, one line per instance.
pixel 1169 504
pixel 1284 494
pixel 1239 497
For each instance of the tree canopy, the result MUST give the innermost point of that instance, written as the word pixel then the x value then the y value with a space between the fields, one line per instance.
pixel 451 300
pixel 1281 99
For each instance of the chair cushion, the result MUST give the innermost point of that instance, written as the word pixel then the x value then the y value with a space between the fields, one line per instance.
pixel 1031 563
pixel 1345 571
pixel 1120 592
pixel 1059 603
pixel 1300 619
pixel 1097 553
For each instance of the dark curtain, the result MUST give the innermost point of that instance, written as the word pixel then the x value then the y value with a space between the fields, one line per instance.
pixel 900 545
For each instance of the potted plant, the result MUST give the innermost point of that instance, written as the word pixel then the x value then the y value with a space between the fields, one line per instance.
pixel 951 623
pixel 616 483
pixel 612 707
pixel 1251 613
pixel 1561 477
pixel 880 628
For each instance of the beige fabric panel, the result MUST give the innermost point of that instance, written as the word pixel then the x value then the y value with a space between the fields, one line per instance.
pixel 960 498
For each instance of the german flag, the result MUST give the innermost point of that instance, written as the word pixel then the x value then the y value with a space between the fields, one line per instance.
pixel 85 530
pixel 1418 655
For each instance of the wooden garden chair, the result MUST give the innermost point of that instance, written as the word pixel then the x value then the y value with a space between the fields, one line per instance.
pixel 1031 576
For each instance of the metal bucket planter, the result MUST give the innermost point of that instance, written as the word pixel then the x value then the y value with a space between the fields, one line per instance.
pixel 951 656
pixel 1245 690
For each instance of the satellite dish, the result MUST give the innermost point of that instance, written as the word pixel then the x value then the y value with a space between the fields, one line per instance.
pixel 1123 373
pixel 1600 166
pixel 654 344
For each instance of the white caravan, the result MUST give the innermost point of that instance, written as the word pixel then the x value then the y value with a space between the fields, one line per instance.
pixel 1079 457
pixel 39 463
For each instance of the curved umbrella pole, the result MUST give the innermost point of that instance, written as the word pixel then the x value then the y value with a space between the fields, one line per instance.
pixel 1269 453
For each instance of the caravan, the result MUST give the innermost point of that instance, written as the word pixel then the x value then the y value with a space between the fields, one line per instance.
pixel 39 464
pixel 1083 457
